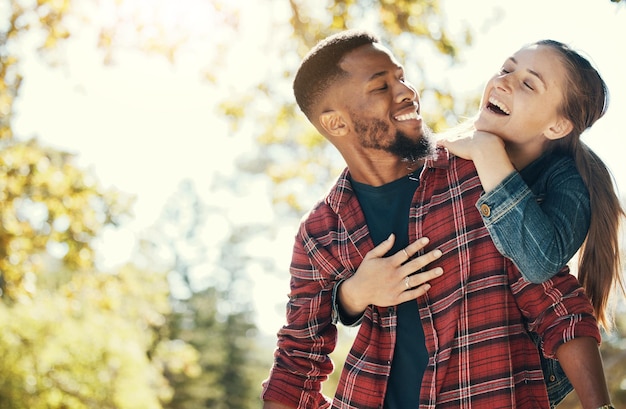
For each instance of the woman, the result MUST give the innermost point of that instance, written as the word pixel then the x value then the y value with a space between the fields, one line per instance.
pixel 547 194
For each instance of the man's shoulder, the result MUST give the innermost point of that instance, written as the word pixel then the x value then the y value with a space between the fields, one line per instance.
pixel 453 176
pixel 322 217
pixel 444 161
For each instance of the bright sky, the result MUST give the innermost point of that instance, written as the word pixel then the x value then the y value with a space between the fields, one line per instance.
pixel 143 125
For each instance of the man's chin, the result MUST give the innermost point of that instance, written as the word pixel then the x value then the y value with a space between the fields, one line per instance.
pixel 413 149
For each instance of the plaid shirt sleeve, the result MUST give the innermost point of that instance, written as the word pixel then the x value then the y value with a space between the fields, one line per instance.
pixel 301 361
pixel 323 255
pixel 558 309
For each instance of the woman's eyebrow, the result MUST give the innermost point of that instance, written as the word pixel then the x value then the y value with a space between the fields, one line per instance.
pixel 539 77
pixel 532 72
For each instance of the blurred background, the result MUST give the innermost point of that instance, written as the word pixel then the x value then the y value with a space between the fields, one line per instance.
pixel 154 167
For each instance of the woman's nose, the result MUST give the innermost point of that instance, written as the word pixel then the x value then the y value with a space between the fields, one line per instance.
pixel 503 82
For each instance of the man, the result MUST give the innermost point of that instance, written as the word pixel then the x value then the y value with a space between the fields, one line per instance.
pixel 451 336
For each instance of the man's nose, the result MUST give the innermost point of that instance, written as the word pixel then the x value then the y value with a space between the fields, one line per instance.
pixel 406 92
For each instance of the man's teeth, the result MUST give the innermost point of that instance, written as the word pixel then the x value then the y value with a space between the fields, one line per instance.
pixel 406 117
pixel 500 105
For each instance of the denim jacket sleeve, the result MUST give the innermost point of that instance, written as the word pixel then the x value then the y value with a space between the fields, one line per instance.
pixel 540 227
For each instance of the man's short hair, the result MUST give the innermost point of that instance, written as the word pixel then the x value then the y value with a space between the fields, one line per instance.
pixel 320 67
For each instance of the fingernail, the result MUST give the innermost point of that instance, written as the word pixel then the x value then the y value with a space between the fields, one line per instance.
pixel 437 253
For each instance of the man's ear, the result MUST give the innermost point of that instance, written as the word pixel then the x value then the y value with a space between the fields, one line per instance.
pixel 561 128
pixel 333 123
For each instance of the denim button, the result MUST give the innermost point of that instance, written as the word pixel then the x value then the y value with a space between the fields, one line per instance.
pixel 485 210
pixel 552 378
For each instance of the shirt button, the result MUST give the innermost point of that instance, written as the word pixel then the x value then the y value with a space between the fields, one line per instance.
pixel 485 210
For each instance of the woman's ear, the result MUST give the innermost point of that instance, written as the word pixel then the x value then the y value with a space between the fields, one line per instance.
pixel 333 123
pixel 561 128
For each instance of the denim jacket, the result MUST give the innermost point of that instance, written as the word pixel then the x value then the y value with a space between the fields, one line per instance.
pixel 539 218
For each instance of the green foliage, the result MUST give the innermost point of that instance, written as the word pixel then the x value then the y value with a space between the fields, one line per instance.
pixel 226 351
pixel 50 210
pixel 48 18
pixel 85 344
pixel 70 336
pixel 213 321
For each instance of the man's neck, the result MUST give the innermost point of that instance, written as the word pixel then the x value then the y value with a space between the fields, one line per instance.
pixel 381 173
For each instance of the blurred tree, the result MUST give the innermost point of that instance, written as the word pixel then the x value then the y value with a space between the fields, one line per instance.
pixel 92 343
pixel 50 210
pixel 226 349
pixel 212 306
pixel 70 336
pixel 46 20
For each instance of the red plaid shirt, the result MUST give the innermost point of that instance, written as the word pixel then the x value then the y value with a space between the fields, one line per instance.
pixel 475 316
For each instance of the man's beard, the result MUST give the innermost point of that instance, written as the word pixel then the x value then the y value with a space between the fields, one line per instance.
pixel 407 149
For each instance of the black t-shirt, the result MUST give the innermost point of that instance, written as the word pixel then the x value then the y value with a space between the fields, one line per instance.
pixel 386 210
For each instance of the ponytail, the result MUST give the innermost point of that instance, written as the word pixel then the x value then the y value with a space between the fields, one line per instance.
pixel 599 261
